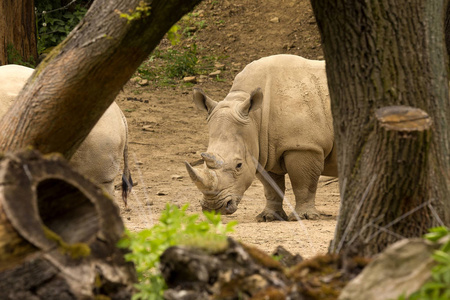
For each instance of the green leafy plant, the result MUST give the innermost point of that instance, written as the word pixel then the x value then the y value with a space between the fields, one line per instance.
pixel 438 287
pixel 182 64
pixel 175 227
pixel 201 24
pixel 54 22
pixel 165 67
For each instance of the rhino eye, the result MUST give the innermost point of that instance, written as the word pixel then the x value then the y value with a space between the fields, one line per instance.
pixel 239 165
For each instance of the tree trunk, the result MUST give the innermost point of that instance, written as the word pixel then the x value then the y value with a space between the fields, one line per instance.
pixel 58 233
pixel 18 33
pixel 447 29
pixel 82 76
pixel 378 54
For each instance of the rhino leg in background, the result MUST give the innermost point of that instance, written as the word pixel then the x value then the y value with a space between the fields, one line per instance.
pixel 304 169
pixel 274 201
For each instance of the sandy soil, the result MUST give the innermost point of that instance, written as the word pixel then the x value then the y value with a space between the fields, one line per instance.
pixel 166 129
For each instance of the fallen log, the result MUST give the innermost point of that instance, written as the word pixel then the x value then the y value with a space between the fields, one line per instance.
pixel 245 272
pixel 58 233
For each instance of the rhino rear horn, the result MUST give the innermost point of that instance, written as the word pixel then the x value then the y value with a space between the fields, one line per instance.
pixel 211 161
pixel 204 179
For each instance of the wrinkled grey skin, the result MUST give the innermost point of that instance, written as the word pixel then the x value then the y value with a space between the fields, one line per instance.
pixel 276 120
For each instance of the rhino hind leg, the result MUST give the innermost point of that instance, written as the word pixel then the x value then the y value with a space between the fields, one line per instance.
pixel 304 169
pixel 274 197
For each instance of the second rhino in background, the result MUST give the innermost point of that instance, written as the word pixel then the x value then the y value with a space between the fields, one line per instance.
pixel 276 119
pixel 100 155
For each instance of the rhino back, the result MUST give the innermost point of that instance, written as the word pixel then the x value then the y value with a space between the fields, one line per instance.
pixel 12 79
pixel 296 112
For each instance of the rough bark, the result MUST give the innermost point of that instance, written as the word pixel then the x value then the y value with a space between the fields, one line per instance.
pixel 447 29
pixel 386 53
pixel 80 78
pixel 17 32
pixel 396 153
pixel 58 233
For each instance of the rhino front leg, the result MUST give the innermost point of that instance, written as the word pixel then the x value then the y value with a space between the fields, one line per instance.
pixel 304 169
pixel 274 200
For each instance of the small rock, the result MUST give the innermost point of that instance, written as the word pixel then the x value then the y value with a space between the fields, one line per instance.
pixel 139 163
pixel 275 20
pixel 203 78
pixel 177 177
pixel 215 73
pixel 219 66
pixel 162 193
pixel 148 203
pixel 190 79
pixel 135 79
pixel 128 218
pixel 148 128
pixel 143 82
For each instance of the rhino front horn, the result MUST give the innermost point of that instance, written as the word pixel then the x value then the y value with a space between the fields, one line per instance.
pixel 204 179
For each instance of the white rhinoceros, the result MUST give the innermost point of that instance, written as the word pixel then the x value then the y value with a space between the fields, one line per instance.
pixel 276 118
pixel 100 155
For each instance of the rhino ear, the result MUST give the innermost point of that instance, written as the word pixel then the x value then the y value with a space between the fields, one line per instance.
pixel 202 101
pixel 252 103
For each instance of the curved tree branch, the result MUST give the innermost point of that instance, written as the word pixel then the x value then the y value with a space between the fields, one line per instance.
pixel 73 86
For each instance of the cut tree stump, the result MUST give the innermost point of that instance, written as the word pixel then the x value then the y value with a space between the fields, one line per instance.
pixel 58 233
pixel 397 202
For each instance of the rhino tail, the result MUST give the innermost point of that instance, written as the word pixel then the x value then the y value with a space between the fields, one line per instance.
pixel 127 181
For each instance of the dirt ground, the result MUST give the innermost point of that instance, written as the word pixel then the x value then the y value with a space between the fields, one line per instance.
pixel 166 129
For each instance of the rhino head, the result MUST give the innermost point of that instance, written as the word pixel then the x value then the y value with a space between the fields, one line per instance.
pixel 229 165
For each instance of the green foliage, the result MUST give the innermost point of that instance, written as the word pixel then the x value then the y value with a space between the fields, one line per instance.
pixel 191 24
pixel 141 11
pixel 182 64
pixel 14 57
pixel 173 35
pixel 170 63
pixel 165 66
pixel 438 287
pixel 175 227
pixel 54 22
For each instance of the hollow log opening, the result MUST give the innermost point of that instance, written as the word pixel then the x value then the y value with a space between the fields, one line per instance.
pixel 65 210
pixel 58 233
